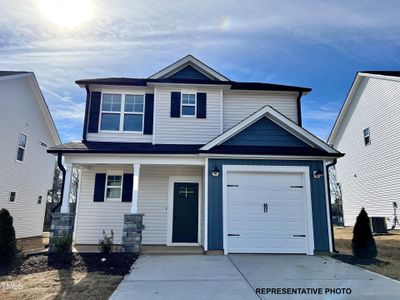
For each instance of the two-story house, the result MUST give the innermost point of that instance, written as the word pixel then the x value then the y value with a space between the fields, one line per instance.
pixel 366 130
pixel 26 169
pixel 208 161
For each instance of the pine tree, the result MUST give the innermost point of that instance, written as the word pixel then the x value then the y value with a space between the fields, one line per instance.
pixel 8 248
pixel 363 243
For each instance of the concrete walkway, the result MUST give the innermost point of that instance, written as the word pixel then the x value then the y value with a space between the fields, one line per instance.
pixel 238 276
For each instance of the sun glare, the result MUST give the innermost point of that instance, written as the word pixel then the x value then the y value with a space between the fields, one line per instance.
pixel 67 13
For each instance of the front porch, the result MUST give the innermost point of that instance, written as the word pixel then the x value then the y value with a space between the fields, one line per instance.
pixel 168 221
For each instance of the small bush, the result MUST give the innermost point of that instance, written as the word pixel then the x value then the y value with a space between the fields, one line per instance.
pixel 106 243
pixel 8 247
pixel 363 243
pixel 63 244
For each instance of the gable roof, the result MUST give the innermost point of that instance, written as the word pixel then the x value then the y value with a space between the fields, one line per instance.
pixel 206 76
pixel 281 120
pixel 385 75
pixel 189 60
pixel 38 95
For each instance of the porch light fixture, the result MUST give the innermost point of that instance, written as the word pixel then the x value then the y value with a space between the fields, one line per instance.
pixel 215 172
pixel 317 174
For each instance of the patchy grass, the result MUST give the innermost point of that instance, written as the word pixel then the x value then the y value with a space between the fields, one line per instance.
pixel 59 284
pixel 386 263
pixel 75 276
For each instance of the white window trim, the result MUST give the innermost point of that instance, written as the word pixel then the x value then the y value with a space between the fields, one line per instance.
pixel 18 146
pixel 195 104
pixel 122 112
pixel 114 173
pixel 270 169
pixel 184 179
pixel 9 196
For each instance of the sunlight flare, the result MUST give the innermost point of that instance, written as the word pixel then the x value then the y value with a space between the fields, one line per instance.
pixel 66 13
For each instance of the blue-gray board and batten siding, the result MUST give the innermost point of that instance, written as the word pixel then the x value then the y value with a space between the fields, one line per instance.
pixel 320 224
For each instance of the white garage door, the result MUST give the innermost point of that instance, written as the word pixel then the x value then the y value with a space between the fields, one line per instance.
pixel 266 212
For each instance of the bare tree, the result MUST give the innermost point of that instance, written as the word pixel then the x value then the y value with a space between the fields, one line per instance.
pixel 336 197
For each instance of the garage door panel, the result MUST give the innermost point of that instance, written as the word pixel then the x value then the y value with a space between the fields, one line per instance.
pixel 272 231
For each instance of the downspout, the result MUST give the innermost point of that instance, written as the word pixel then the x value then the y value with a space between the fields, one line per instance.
pixel 330 203
pixel 60 165
pixel 299 120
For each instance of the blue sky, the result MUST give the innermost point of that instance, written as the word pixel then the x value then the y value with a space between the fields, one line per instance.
pixel 318 44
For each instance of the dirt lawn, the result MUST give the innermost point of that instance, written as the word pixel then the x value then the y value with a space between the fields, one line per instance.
pixel 59 284
pixel 386 263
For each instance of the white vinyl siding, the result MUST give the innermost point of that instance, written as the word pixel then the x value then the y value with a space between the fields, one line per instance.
pixel 370 174
pixel 93 217
pixel 186 130
pixel 238 105
pixel 20 112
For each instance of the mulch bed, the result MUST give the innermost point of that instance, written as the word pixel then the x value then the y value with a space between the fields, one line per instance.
pixel 112 264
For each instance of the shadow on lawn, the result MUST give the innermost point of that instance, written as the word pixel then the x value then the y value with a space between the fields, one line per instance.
pixel 350 259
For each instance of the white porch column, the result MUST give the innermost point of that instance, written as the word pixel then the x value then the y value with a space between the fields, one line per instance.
pixel 136 172
pixel 67 188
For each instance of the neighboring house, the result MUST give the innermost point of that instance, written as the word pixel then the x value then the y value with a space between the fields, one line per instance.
pixel 26 169
pixel 367 131
pixel 211 162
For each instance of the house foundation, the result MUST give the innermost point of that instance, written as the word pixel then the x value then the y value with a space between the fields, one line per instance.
pixel 62 225
pixel 132 233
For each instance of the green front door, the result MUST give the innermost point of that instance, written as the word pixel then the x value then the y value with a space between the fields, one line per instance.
pixel 185 217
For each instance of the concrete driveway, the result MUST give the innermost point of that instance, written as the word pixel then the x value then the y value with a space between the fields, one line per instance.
pixel 242 276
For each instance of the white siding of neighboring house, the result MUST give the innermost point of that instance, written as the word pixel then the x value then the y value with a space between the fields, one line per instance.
pixel 186 130
pixel 32 177
pixel 238 105
pixel 93 217
pixel 132 137
pixel 370 175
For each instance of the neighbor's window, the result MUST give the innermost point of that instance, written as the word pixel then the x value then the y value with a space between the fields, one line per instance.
pixel 114 187
pixel 188 104
pixel 39 200
pixel 110 112
pixel 21 147
pixel 133 113
pixel 367 137
pixel 13 195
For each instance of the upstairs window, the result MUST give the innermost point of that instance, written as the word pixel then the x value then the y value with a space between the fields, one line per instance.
pixel 133 113
pixel 367 137
pixel 188 104
pixel 114 187
pixel 110 112
pixel 21 147
pixel 12 197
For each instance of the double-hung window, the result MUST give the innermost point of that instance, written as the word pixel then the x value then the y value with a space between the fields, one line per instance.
pixel 114 187
pixel 21 147
pixel 188 104
pixel 133 113
pixel 12 197
pixel 367 137
pixel 110 112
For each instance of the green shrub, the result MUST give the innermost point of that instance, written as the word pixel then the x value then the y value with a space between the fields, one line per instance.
pixel 8 247
pixel 106 243
pixel 363 243
pixel 63 244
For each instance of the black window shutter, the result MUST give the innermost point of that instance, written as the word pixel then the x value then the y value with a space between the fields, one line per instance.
pixel 175 104
pixel 94 112
pixel 127 187
pixel 201 105
pixel 99 187
pixel 148 114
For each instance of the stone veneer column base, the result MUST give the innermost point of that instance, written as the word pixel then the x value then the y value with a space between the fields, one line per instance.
pixel 132 233
pixel 62 224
